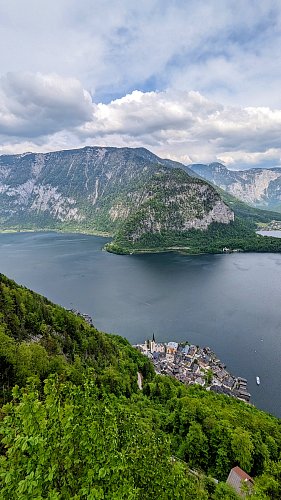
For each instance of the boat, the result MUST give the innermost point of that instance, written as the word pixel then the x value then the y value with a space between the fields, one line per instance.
pixel 258 380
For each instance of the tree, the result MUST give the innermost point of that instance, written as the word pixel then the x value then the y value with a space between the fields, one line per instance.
pixel 224 492
pixel 242 448
pixel 268 485
pixel 69 443
pixel 194 448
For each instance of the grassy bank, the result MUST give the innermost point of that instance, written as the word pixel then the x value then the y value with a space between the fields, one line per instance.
pixel 68 229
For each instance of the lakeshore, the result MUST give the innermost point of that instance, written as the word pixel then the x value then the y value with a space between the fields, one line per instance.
pixel 274 225
pixel 228 302
pixel 192 364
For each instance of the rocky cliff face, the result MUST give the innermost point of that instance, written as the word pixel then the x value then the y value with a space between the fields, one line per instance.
pixel 258 187
pixel 174 204
pixel 98 189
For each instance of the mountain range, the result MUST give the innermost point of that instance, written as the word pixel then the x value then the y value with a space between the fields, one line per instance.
pixel 259 187
pixel 93 188
pixel 144 201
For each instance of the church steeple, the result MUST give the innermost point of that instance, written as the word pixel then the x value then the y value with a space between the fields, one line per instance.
pixel 153 338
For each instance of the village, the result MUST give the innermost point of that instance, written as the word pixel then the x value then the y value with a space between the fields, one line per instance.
pixel 194 365
pixel 274 225
pixel 86 317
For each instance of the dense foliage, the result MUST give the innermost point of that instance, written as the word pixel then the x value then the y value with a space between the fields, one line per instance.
pixel 77 426
pixel 236 236
pixel 213 432
pixel 40 338
pixel 72 444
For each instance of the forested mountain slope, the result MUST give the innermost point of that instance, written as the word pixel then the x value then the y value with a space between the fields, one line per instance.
pixel 92 188
pixel 145 202
pixel 88 432
pixel 39 338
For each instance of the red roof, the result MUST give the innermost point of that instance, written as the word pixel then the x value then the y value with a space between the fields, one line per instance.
pixel 242 474
pixel 237 478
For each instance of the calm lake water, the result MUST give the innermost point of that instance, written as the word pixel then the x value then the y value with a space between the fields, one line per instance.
pixel 231 303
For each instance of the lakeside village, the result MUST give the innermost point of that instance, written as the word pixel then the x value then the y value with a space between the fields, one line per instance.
pixel 190 364
pixel 194 365
pixel 86 317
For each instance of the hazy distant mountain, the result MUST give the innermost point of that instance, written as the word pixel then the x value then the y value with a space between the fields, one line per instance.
pixel 260 187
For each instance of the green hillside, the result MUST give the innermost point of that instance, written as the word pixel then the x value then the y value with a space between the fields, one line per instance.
pixel 153 229
pixel 236 237
pixel 146 203
pixel 40 338
pixel 76 425
pixel 90 189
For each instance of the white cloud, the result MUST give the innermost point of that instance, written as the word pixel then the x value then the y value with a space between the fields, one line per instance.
pixel 188 127
pixel 229 51
pixel 48 112
pixel 221 62
pixel 33 105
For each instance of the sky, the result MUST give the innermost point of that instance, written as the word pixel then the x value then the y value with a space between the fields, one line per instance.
pixel 195 81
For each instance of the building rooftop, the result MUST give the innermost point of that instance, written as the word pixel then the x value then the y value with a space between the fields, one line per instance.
pixel 173 344
pixel 185 349
pixel 237 478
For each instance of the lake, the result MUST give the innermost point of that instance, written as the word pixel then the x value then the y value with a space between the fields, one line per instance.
pixel 231 303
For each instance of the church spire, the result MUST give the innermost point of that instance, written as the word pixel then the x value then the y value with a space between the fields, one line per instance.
pixel 153 338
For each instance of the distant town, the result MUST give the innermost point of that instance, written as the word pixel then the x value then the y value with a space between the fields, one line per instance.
pixel 194 365
pixel 274 225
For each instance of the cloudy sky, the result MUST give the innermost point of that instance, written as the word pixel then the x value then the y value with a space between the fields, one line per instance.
pixel 195 81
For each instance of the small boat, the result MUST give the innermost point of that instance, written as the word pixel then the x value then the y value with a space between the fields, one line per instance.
pixel 258 380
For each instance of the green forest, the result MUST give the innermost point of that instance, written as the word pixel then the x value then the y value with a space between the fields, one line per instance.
pixel 75 425
pixel 239 235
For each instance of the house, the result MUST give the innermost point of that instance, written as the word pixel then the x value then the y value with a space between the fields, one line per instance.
pixel 240 481
pixel 195 368
pixel 171 347
pixel 203 360
pixel 185 349
pixel 170 357
pixel 200 381
pixel 192 350
pixel 242 394
pixel 219 389
pixel 229 382
pixel 188 360
pixel 221 374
